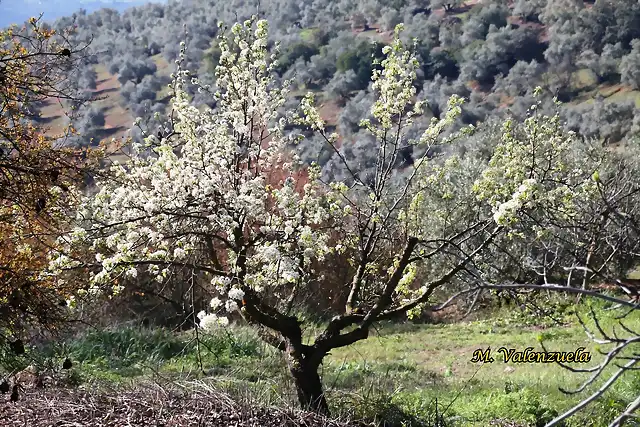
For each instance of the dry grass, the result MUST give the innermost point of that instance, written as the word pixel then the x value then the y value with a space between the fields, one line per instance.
pixel 147 405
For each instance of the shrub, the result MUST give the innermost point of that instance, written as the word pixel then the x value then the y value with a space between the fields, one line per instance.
pixel 360 60
pixel 293 52
pixel 522 405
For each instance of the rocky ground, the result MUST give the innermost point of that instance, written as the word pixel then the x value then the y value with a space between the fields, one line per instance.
pixel 149 406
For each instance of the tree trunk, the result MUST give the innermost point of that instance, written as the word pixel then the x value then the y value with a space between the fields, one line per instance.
pixel 304 370
pixel 309 388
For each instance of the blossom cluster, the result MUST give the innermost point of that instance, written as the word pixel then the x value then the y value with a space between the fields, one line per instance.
pixel 210 322
pixel 506 212
pixel 211 182
pixel 532 159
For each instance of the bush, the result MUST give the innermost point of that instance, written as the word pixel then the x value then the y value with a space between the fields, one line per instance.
pixel 439 62
pixel 360 60
pixel 124 347
pixel 129 348
pixel 629 70
pixel 392 410
pixel 293 52
pixel 501 50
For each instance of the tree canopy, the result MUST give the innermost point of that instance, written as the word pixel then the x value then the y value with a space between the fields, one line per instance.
pixel 37 181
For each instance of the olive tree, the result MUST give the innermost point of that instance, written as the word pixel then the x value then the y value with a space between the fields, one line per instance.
pixel 342 84
pixel 528 9
pixel 629 66
pixel 203 198
pixel 447 5
pixel 480 18
pixel 605 65
pixel 519 79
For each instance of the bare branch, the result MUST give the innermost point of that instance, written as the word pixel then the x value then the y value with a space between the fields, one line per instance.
pixel 558 420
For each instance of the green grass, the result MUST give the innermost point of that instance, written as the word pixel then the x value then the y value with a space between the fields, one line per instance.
pixel 586 83
pixel 585 79
pixel 626 95
pixel 309 34
pixel 463 16
pixel 397 375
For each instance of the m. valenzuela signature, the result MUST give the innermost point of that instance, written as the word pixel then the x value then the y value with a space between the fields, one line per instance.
pixel 531 356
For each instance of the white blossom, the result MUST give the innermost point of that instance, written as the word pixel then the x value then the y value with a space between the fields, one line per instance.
pixel 236 294
pixel 179 253
pixel 215 303
pixel 220 281
pixel 231 306
pixel 176 196
pixel 209 322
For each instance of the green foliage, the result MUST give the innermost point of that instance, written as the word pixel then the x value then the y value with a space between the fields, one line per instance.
pixel 439 62
pixel 125 347
pixel 600 413
pixel 211 58
pixel 392 410
pixel 75 378
pixel 312 39
pixel 230 345
pixel 293 52
pixel 350 375
pixel 519 405
pixel 361 61
pixel 316 36
pixel 130 350
pixel 9 360
pixel 543 311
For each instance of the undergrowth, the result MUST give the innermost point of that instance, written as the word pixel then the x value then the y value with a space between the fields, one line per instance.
pixel 406 375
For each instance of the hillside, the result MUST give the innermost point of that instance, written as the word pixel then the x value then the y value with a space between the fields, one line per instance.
pixel 491 53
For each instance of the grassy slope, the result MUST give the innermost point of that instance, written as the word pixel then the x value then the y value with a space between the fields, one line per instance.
pixel 586 82
pixel 408 365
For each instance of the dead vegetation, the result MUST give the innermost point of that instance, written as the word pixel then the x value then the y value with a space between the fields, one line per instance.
pixel 146 405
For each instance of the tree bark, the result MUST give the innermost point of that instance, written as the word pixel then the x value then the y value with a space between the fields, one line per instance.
pixel 304 370
pixel 303 360
pixel 309 389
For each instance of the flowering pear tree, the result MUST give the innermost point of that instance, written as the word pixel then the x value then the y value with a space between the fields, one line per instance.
pixel 570 224
pixel 202 198
pixel 582 230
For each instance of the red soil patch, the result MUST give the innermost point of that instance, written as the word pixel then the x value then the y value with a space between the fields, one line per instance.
pixel 330 111
pixel 108 99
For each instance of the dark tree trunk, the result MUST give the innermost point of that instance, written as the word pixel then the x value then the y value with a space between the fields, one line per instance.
pixel 303 360
pixel 309 388
pixel 304 370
